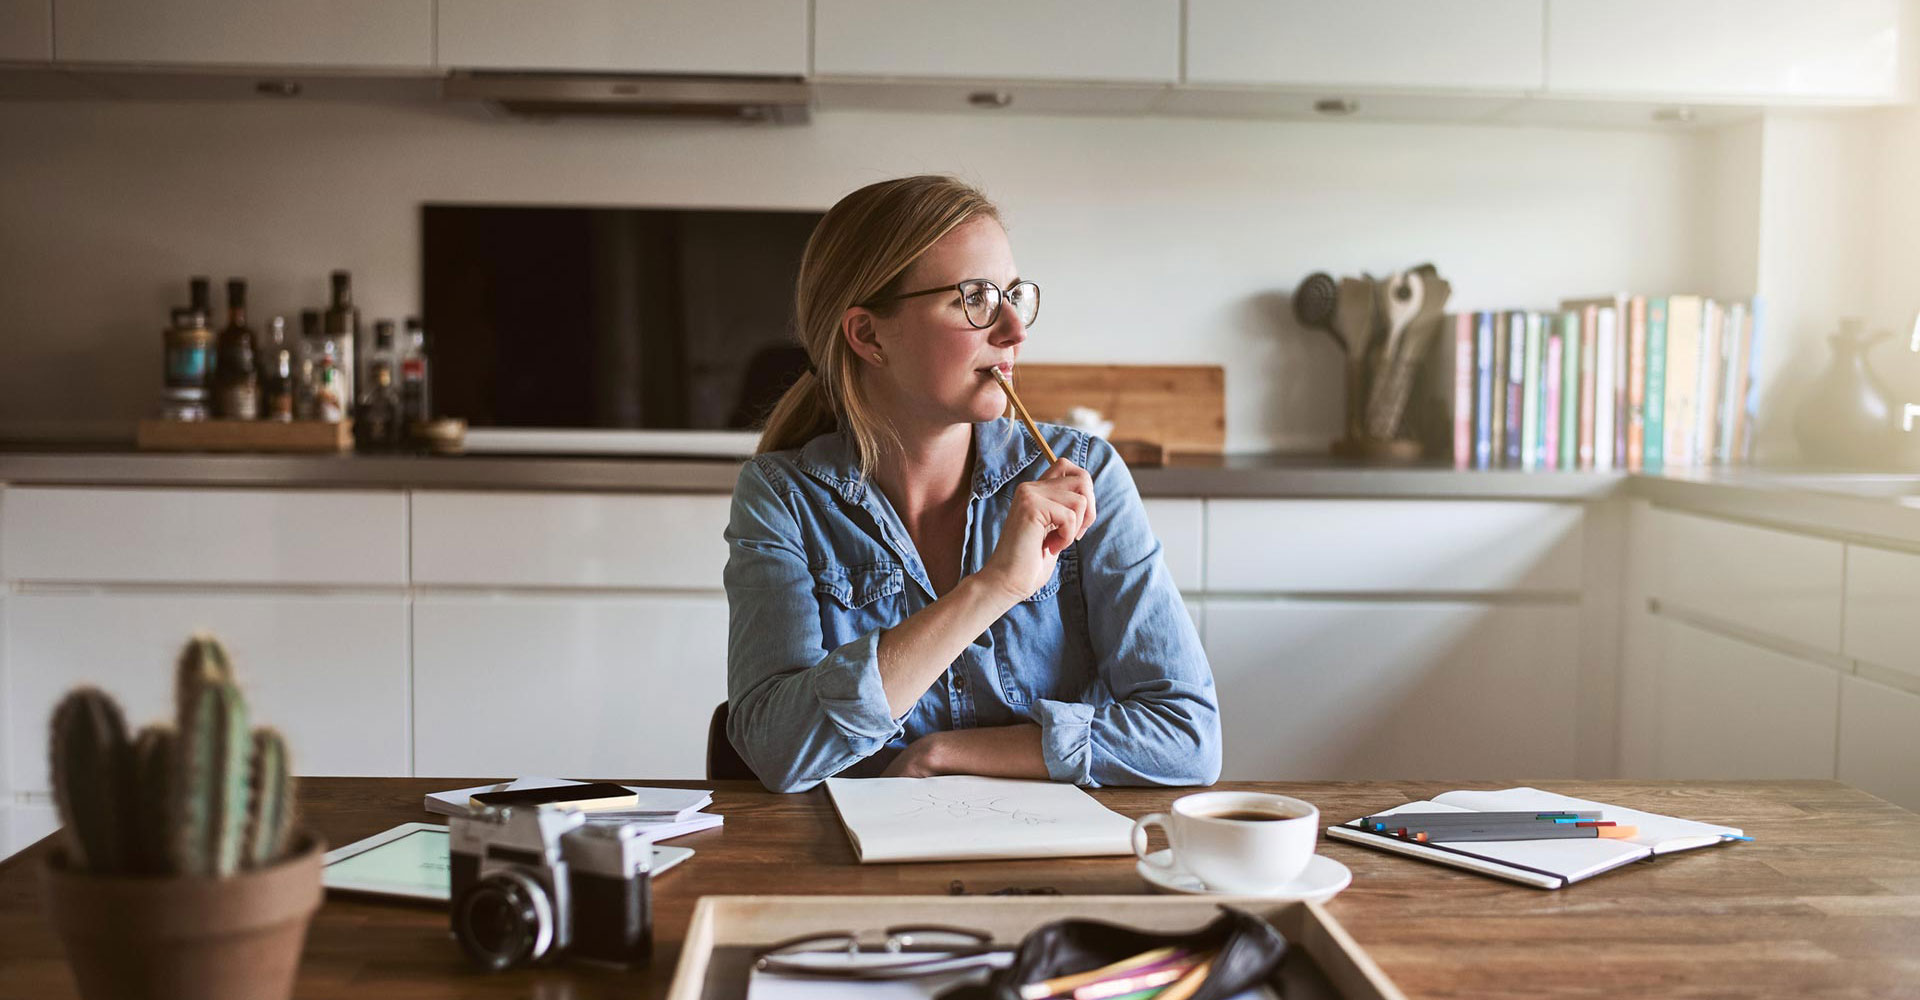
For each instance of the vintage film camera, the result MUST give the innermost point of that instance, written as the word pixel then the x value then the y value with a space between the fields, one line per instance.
pixel 532 883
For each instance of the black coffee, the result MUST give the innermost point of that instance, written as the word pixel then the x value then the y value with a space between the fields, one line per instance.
pixel 1251 815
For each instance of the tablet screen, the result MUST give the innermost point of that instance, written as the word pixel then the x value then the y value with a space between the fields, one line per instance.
pixel 415 862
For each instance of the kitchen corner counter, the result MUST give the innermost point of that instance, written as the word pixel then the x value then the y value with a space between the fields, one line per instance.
pixel 1311 476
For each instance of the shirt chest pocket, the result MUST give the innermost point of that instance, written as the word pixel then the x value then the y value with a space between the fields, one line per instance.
pixel 857 599
pixel 1044 647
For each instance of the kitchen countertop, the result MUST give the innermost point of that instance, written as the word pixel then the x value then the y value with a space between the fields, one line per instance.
pixel 1868 506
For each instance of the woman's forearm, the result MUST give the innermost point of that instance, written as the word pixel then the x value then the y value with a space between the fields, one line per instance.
pixel 914 653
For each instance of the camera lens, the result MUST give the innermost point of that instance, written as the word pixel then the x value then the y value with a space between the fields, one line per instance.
pixel 504 920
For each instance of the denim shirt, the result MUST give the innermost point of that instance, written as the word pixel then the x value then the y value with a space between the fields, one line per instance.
pixel 1103 656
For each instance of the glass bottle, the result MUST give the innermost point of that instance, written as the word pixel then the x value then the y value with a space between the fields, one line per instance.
pixel 376 415
pixel 342 326
pixel 305 406
pixel 187 355
pixel 416 405
pixel 277 383
pixel 236 376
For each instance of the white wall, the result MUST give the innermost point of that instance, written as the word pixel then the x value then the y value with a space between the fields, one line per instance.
pixel 1158 240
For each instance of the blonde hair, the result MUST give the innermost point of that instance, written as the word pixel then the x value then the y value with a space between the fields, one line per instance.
pixel 861 250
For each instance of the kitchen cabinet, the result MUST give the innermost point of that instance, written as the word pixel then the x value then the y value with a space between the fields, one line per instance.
pixel 1778 584
pixel 1178 525
pixel 1883 592
pixel 745 37
pixel 1315 690
pixel 1118 41
pixel 1731 709
pixel 1880 740
pixel 1393 546
pixel 1846 51
pixel 203 536
pixel 337 34
pixel 328 671
pixel 566 685
pixel 569 540
pixel 1476 45
pixel 26 30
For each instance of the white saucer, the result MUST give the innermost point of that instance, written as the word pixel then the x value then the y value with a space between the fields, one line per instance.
pixel 1321 880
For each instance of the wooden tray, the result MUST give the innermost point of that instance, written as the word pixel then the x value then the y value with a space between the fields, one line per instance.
pixel 1322 960
pixel 245 435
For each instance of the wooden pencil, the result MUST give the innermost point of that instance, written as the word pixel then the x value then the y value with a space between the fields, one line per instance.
pixel 1025 418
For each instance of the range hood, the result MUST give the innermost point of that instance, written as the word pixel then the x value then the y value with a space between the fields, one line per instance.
pixel 776 100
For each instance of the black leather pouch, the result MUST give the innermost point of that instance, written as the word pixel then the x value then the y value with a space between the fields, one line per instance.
pixel 1248 953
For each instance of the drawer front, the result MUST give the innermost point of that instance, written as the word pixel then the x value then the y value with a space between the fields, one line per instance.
pixel 328 671
pixel 1392 546
pixel 1880 741
pixel 315 538
pixel 1729 709
pixel 1177 523
pixel 1776 583
pixel 1883 592
pixel 589 686
pixel 547 540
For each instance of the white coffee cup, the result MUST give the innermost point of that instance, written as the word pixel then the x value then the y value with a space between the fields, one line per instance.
pixel 1251 842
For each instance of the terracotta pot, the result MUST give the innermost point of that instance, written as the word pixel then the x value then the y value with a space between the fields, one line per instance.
pixel 173 938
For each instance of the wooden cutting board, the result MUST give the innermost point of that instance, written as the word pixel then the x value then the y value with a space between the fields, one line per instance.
pixel 1182 408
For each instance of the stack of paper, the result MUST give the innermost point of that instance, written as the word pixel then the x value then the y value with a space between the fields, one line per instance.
pixel 666 812
pixel 961 817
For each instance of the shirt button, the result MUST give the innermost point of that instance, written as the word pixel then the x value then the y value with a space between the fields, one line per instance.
pixel 959 683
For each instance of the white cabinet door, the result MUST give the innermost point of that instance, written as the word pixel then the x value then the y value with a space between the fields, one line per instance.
pixel 1729 709
pixel 658 36
pixel 1317 690
pixel 1776 583
pixel 229 536
pixel 1099 40
pixel 1177 523
pixel 329 672
pixel 1482 45
pixel 1846 50
pixel 1880 741
pixel 384 34
pixel 574 687
pixel 569 540
pixel 1393 546
pixel 1883 594
pixel 26 30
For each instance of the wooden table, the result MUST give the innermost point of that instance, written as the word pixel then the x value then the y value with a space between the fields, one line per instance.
pixel 1825 902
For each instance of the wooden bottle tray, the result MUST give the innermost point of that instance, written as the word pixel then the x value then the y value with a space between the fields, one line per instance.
pixel 318 436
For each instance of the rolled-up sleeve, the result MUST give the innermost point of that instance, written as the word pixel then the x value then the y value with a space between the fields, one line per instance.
pixel 1163 725
pixel 797 712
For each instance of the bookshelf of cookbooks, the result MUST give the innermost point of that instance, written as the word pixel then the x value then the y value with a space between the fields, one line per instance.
pixel 1630 383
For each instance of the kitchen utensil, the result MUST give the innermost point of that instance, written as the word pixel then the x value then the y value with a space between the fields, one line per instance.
pixel 1353 321
pixel 1394 385
pixel 1315 302
pixel 1007 387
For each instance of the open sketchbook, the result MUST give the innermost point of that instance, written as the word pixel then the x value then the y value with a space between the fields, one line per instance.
pixel 1548 864
pixel 960 818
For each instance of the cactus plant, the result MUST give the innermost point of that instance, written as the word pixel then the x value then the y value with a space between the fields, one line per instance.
pixel 272 792
pixel 90 757
pixel 211 774
pixel 152 774
pixel 204 797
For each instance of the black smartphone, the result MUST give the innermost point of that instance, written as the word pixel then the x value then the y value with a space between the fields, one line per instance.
pixel 592 795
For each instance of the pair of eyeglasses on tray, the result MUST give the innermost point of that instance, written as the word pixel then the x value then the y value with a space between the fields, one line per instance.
pixel 909 951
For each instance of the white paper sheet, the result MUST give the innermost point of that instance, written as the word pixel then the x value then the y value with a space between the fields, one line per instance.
pixel 962 817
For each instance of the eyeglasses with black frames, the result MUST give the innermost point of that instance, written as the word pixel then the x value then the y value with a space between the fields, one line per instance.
pixel 910 951
pixel 982 300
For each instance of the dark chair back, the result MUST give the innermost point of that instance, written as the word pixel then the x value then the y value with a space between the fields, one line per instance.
pixel 724 763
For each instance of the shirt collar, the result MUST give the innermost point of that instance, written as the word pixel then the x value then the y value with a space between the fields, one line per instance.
pixel 1001 451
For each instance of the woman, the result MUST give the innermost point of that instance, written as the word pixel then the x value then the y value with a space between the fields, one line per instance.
pixel 912 589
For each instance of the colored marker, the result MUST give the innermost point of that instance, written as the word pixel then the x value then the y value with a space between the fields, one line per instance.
pixel 1382 821
pixel 1535 831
